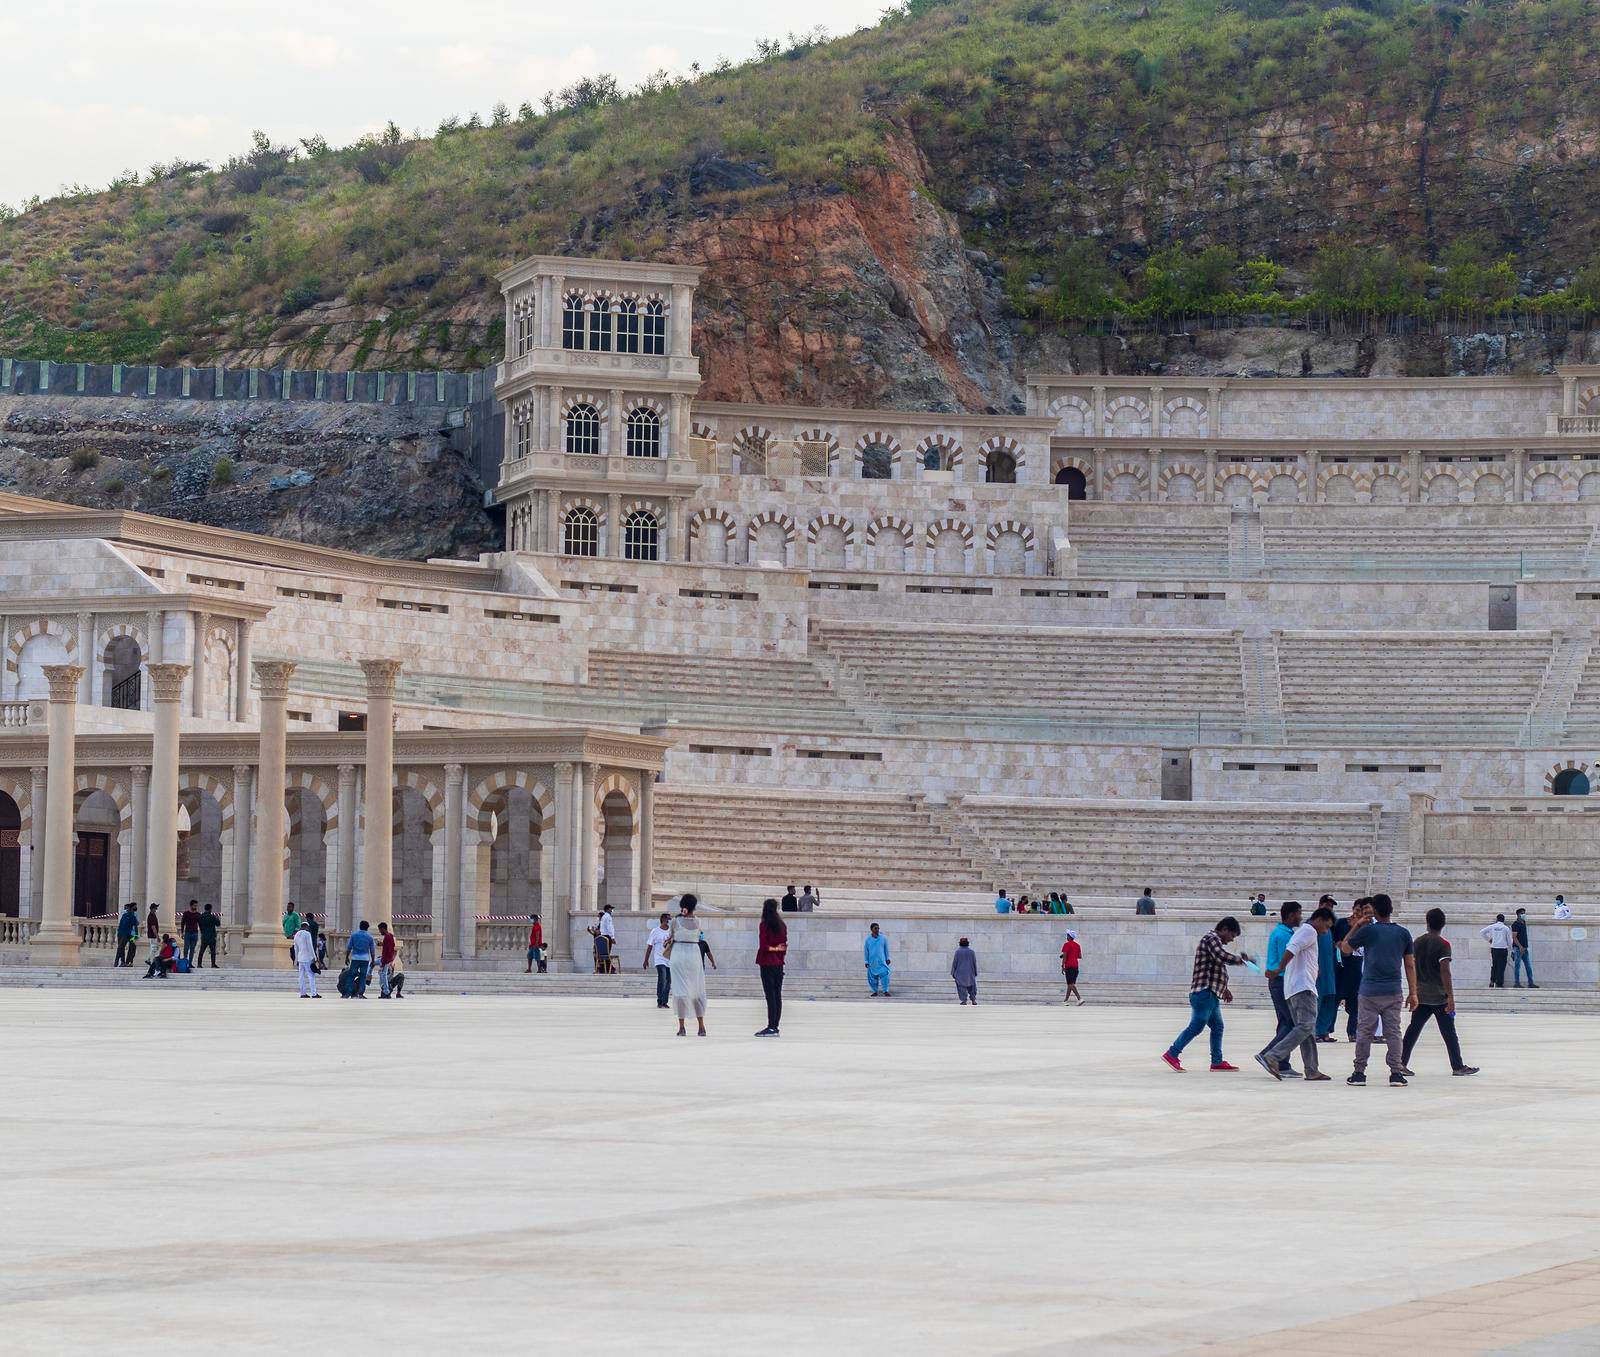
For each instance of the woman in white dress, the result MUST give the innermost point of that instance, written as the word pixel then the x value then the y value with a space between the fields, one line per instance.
pixel 688 971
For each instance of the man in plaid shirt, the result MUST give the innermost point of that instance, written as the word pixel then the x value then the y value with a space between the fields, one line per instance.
pixel 1208 991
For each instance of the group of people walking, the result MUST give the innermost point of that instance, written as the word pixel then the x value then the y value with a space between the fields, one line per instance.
pixel 1379 968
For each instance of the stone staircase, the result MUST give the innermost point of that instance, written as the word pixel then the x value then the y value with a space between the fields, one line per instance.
pixel 1552 703
pixel 1391 855
pixel 1244 544
pixel 722 986
pixel 849 688
pixel 1263 689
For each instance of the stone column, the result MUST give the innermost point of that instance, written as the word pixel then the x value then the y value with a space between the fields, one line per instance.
pixel 678 427
pixel 345 893
pixel 87 690
pixel 197 689
pixel 613 432
pixel 377 838
pixel 139 831
pixel 264 943
pixel 553 541
pixel 669 544
pixel 39 794
pixel 243 853
pixel 1209 496
pixel 681 322
pixel 56 941
pixel 1415 458
pixel 1214 412
pixel 1313 466
pixel 558 441
pixel 1154 474
pixel 241 676
pixel 1157 395
pixel 1569 395
pixel 614 526
pixel 647 801
pixel 1099 412
pixel 161 842
pixel 588 900
pixel 460 934
pixel 155 622
pixel 1519 463
pixel 557 909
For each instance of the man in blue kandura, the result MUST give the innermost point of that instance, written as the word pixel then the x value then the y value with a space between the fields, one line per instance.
pixel 875 952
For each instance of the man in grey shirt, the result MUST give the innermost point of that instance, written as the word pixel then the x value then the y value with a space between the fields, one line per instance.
pixel 1388 958
pixel 964 971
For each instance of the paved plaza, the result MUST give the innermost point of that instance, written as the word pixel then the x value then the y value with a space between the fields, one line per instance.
pixel 238 1172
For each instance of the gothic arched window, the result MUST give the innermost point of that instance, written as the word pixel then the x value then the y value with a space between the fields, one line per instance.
pixel 580 533
pixel 583 429
pixel 641 536
pixel 644 433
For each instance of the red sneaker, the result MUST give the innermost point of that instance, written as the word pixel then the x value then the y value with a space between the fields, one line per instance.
pixel 1224 1065
pixel 1172 1060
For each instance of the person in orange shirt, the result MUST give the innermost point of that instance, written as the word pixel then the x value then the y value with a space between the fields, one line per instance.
pixel 1071 956
pixel 535 945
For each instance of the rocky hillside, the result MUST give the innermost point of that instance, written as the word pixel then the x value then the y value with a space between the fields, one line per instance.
pixel 912 215
pixel 371 478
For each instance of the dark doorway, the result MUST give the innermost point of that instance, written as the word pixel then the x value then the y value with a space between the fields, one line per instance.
pixel 89 874
pixel 1075 481
pixel 10 858
pixel 1502 607
pixel 352 720
pixel 1571 782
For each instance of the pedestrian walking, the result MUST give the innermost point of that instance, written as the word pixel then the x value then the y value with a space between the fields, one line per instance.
pixel 875 953
pixel 536 945
pixel 1499 937
pixel 1327 974
pixel 388 950
pixel 655 954
pixel 1388 962
pixel 127 935
pixel 304 947
pixel 772 950
pixel 359 952
pixel 1277 940
pixel 1436 996
pixel 210 925
pixel 688 970
pixel 189 926
pixel 964 971
pixel 1071 959
pixel 1298 966
pixel 1208 991
pixel 1521 957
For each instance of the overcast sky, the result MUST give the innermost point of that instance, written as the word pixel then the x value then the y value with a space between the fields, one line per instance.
pixel 89 88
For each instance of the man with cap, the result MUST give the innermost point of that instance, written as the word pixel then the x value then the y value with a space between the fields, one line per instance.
pixel 1071 956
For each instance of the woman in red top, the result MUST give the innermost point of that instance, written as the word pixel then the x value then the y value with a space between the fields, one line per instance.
pixel 774 946
pixel 1071 955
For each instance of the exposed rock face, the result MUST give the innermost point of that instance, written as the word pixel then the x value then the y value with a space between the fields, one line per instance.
pixel 371 478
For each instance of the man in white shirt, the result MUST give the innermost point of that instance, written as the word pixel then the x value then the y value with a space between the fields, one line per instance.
pixel 304 947
pixel 1563 910
pixel 655 955
pixel 1299 968
pixel 605 940
pixel 1498 936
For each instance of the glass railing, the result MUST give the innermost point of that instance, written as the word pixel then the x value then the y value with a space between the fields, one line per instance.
pixel 738 709
pixel 1489 565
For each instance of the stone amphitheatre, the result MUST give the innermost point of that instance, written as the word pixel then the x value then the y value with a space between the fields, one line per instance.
pixel 1207 636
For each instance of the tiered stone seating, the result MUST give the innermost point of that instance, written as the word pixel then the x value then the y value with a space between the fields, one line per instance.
pixel 791 692
pixel 736 835
pixel 1061 674
pixel 1438 878
pixel 1583 714
pixel 1148 549
pixel 1212 850
pixel 1322 547
pixel 1445 686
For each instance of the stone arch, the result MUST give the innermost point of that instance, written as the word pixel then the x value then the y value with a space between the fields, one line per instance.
pixel 616 822
pixel 1546 487
pixel 1390 486
pixel 762 534
pixel 1127 416
pixel 478 814
pixel 828 440
pixel 751 444
pixel 1286 486
pixel 996 447
pixel 878 440
pixel 118 632
pixel 712 545
pixel 1338 488
pixel 113 787
pixel 1195 474
pixel 944 538
pixel 944 447
pixel 1074 416
pixel 301 780
pixel 41 626
pixel 1589 486
pixel 829 538
pixel 1442 488
pixel 699 430
pixel 888 541
pixel 571 399
pixel 1010 545
pixel 1565 775
pixel 1126 481
pixel 214 787
pixel 1184 417
pixel 424 786
pixel 1489 487
pixel 1587 403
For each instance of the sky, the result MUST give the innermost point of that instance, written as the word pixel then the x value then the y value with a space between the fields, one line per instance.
pixel 91 88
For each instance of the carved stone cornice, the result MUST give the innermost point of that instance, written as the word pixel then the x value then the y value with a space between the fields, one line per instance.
pixel 167 681
pixel 272 677
pixel 63 680
pixel 381 675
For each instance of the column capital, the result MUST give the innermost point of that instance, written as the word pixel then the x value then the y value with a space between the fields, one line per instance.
pixel 563 767
pixel 140 774
pixel 272 677
pixel 38 772
pixel 167 680
pixel 347 775
pixel 381 676
pixel 63 680
pixel 241 771
pixel 455 773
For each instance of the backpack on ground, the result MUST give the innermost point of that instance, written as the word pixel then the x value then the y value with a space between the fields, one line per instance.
pixel 347 981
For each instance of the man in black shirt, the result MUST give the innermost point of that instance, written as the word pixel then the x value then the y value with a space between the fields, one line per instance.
pixel 208 925
pixel 1350 966
pixel 791 901
pixel 1436 996
pixel 1521 958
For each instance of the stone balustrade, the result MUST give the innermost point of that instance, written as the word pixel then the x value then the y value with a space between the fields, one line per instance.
pixel 15 715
